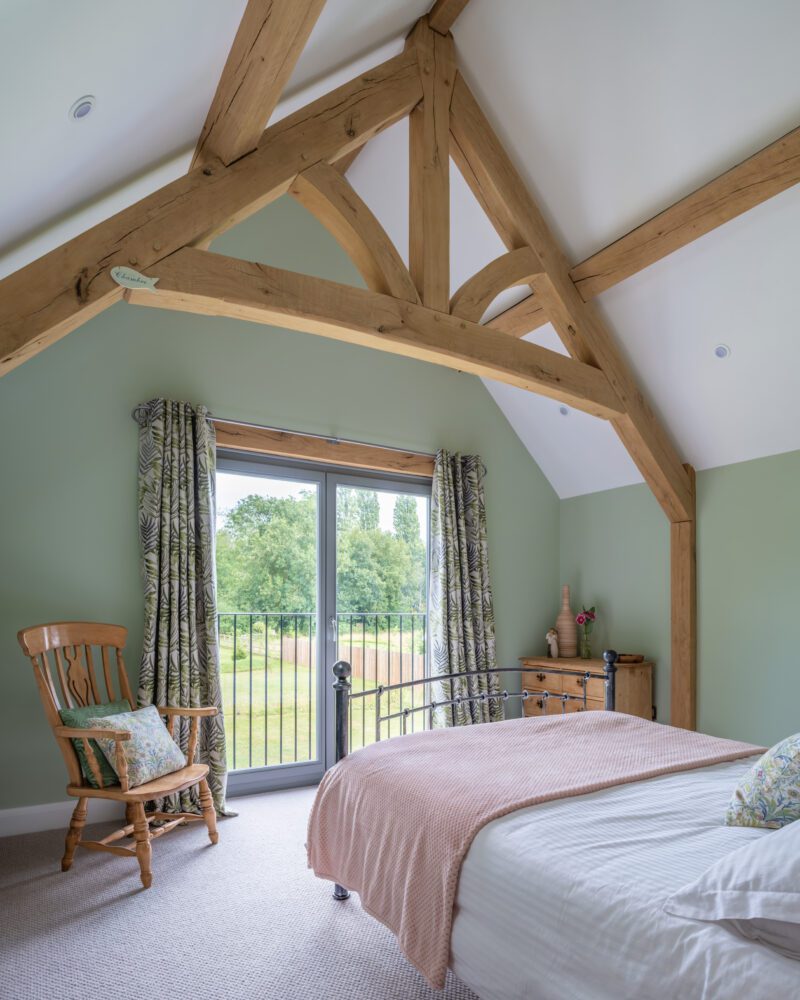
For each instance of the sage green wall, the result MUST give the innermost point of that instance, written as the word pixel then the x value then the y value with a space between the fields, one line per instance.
pixel 615 553
pixel 68 543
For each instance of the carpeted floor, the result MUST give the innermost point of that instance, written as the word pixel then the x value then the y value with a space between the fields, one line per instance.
pixel 243 919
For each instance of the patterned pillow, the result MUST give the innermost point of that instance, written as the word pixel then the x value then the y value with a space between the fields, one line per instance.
pixel 84 718
pixel 149 753
pixel 769 794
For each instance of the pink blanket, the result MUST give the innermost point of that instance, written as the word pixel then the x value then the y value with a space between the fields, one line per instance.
pixel 394 821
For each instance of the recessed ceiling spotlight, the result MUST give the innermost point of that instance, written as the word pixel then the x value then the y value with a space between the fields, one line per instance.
pixel 722 351
pixel 564 411
pixel 81 108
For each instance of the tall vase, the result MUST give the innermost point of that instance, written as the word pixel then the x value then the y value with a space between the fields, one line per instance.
pixel 567 629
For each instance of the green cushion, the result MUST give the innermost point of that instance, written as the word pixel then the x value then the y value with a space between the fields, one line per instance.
pixel 83 718
pixel 150 752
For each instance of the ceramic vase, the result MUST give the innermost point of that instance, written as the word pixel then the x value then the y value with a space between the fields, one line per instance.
pixel 567 629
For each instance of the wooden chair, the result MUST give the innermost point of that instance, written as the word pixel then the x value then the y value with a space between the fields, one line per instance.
pixel 70 645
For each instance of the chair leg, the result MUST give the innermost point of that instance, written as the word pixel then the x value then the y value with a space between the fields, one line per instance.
pixel 76 825
pixel 209 813
pixel 141 834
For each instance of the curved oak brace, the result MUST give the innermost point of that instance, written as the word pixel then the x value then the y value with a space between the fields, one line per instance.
pixel 323 190
pixel 518 267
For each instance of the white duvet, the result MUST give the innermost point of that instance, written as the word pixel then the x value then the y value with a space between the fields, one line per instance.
pixel 563 901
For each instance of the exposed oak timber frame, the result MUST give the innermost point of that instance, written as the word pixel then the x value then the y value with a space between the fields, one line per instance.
pixel 63 289
pixel 764 175
pixel 683 613
pixel 268 43
pixel 493 177
pixel 517 267
pixel 520 223
pixel 323 190
pixel 312 448
pixel 429 167
pixel 197 281
pixel 238 169
pixel 443 14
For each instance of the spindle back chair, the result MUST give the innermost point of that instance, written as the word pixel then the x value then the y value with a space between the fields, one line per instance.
pixel 68 674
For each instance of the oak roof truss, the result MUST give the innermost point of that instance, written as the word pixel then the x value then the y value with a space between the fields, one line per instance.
pixel 240 166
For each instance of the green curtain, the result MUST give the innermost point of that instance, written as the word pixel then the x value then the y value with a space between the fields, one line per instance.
pixel 460 606
pixel 180 657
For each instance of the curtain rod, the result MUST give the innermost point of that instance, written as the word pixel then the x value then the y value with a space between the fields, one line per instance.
pixel 323 437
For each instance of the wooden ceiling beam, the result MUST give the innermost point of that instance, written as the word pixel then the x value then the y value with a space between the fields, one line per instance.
pixel 209 284
pixel 63 289
pixel 271 36
pixel 444 13
pixel 521 318
pixel 767 173
pixel 429 167
pixel 519 221
pixel 324 192
pixel 473 298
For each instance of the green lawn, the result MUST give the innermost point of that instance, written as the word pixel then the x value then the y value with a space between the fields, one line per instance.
pixel 263 734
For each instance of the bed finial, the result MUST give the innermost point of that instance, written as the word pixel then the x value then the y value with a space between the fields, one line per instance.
pixel 610 657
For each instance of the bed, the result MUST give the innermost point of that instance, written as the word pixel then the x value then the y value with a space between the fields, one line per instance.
pixel 563 901
pixel 559 899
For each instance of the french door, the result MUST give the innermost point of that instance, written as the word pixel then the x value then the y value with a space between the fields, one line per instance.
pixel 313 565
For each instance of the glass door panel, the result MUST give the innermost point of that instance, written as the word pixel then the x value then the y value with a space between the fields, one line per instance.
pixel 381 556
pixel 268 573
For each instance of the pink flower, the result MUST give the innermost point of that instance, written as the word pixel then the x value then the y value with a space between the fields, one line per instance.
pixel 590 615
pixel 581 618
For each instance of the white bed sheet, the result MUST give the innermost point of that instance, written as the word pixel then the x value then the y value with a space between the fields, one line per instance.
pixel 563 901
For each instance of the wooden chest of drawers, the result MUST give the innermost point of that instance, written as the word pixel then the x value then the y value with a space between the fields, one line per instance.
pixel 634 686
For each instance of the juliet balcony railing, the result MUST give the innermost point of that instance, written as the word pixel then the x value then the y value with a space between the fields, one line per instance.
pixel 269 668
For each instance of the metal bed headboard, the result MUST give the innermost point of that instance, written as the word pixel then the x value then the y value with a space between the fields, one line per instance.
pixel 343 695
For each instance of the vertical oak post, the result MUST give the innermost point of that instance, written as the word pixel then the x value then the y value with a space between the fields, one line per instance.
pixel 683 603
pixel 429 168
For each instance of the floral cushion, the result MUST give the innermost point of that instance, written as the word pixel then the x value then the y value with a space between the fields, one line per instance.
pixel 769 794
pixel 149 753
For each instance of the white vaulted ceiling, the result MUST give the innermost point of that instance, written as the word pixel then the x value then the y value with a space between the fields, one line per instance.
pixel 611 109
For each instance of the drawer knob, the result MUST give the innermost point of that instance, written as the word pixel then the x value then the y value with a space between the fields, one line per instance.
pixel 540 677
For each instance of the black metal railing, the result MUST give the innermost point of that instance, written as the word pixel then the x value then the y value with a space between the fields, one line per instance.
pixel 383 648
pixel 269 671
pixel 268 663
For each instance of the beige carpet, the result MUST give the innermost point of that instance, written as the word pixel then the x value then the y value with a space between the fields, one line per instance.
pixel 243 919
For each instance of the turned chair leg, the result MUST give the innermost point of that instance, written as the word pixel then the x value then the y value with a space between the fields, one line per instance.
pixel 209 813
pixel 141 834
pixel 76 825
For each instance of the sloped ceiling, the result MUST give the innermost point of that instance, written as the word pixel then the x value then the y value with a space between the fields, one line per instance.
pixel 612 110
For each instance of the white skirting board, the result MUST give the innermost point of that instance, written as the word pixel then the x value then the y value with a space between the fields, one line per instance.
pixel 54 816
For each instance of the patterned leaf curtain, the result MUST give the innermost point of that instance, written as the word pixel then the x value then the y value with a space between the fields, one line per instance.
pixel 180 658
pixel 461 609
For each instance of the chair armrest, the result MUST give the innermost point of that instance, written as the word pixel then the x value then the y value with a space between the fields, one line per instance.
pixel 206 710
pixel 119 736
pixel 171 712
pixel 92 734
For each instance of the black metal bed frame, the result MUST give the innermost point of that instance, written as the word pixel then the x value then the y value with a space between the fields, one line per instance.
pixel 343 696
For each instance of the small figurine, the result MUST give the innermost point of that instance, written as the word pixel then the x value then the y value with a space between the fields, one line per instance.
pixel 552 643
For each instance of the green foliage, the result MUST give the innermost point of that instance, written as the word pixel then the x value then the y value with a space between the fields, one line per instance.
pixel 357 508
pixel 266 556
